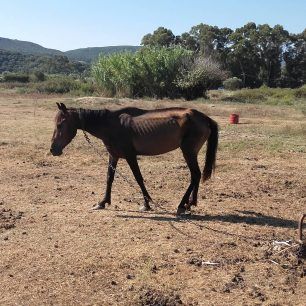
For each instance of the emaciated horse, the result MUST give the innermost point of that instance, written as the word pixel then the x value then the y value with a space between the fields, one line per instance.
pixel 131 131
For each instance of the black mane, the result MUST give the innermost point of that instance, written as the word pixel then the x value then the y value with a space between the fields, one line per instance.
pixel 91 117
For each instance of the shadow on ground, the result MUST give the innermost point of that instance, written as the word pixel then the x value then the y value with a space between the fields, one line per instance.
pixel 246 217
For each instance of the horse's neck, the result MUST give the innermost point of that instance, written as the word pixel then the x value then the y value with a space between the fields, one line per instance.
pixel 92 121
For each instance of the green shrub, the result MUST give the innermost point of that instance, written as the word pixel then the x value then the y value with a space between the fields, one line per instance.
pixel 65 84
pixel 159 69
pixel 300 92
pixel 84 88
pixel 58 85
pixel 232 83
pixel 16 77
pixel 199 74
pixel 38 76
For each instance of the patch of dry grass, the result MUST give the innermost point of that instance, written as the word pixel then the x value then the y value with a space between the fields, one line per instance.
pixel 60 252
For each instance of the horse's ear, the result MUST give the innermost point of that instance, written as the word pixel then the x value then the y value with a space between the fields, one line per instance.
pixel 62 107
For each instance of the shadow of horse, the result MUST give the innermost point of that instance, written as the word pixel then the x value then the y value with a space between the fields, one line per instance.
pixel 247 217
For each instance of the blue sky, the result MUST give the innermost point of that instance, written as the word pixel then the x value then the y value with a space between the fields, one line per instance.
pixel 68 24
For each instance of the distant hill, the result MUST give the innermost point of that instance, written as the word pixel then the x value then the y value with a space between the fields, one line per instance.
pixel 83 54
pixel 50 64
pixel 90 54
pixel 26 47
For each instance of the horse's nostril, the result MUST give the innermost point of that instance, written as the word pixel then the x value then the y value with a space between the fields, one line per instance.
pixel 55 151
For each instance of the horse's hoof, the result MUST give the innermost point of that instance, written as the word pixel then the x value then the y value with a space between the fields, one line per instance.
pixel 98 207
pixel 145 208
pixel 180 211
pixel 191 203
pixel 187 212
pixel 188 206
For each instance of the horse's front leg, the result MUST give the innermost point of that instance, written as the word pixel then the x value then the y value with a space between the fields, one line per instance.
pixel 132 161
pixel 112 164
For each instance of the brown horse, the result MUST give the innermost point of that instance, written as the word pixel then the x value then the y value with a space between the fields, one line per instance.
pixel 131 131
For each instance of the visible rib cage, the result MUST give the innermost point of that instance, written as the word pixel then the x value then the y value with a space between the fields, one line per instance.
pixel 151 126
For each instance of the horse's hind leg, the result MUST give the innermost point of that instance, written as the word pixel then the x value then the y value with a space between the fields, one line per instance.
pixel 192 190
pixel 132 161
pixel 181 208
pixel 193 198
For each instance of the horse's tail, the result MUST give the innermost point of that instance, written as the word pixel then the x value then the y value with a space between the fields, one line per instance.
pixel 211 152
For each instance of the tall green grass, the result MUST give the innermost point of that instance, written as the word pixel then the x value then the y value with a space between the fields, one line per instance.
pixel 149 72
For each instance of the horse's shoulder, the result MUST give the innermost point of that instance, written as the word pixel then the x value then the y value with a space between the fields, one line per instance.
pixel 126 120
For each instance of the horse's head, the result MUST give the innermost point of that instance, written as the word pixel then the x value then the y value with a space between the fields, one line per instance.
pixel 65 130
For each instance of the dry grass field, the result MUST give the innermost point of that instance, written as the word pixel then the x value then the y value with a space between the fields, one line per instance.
pixel 55 250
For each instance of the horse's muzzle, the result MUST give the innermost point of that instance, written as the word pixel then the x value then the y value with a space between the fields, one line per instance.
pixel 56 151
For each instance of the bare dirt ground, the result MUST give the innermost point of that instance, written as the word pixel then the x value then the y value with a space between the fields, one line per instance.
pixel 55 251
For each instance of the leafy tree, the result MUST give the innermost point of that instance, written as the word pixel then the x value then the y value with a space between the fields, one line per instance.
pixel 212 41
pixel 147 40
pixel 223 44
pixel 270 44
pixel 205 35
pixel 257 54
pixel 294 72
pixel 161 37
pixel 243 59
pixel 187 41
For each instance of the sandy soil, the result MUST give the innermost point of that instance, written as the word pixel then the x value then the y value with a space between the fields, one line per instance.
pixel 55 251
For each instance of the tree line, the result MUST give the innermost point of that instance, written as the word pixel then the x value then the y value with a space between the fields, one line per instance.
pixel 256 54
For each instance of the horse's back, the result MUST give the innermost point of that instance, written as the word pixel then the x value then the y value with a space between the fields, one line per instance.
pixel 157 131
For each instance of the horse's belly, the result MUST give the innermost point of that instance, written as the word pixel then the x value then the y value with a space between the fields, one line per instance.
pixel 157 143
